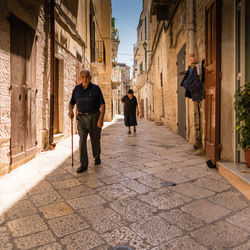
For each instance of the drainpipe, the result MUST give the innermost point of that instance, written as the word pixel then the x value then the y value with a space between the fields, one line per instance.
pixel 192 56
pixel 191 31
pixel 52 67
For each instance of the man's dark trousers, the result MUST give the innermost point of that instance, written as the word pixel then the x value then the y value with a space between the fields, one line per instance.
pixel 87 124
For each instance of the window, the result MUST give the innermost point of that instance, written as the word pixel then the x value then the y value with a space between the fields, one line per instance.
pixel 145 27
pixel 171 36
pixel 141 67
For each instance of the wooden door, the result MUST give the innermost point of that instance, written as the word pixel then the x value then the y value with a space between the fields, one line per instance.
pixel 56 100
pixel 181 66
pixel 18 91
pixel 23 90
pixel 31 91
pixel 212 80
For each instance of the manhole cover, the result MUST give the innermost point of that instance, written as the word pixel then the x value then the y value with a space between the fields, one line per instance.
pixel 122 248
pixel 169 184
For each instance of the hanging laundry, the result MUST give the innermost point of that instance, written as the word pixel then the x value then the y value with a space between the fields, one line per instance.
pixel 194 87
pixel 203 71
pixel 198 67
pixel 183 82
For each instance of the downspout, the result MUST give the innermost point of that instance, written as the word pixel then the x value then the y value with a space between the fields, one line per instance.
pixel 191 31
pixel 191 50
pixel 192 57
pixel 52 75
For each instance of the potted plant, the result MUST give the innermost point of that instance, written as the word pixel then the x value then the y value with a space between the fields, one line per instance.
pixel 242 109
pixel 100 59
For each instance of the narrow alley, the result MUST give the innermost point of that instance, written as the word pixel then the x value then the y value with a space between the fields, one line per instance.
pixel 127 202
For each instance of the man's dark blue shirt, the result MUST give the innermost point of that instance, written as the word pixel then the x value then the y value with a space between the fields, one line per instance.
pixel 87 100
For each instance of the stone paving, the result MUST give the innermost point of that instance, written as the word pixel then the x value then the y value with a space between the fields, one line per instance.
pixel 125 201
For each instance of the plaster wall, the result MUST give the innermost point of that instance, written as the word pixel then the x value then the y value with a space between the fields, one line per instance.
pixel 227 131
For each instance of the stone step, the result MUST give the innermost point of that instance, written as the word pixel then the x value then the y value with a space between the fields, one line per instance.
pixel 238 174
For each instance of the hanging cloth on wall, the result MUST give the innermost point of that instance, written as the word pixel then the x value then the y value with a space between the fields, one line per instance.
pixel 194 87
pixel 183 82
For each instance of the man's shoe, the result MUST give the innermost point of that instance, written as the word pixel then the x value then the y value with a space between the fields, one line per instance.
pixel 81 169
pixel 97 161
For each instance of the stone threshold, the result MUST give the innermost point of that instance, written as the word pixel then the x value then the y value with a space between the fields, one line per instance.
pixel 238 174
pixel 58 137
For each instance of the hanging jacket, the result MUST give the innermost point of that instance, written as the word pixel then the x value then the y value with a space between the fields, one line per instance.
pixel 194 86
pixel 184 81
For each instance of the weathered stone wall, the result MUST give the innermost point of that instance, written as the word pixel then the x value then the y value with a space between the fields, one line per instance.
pixel 4 89
pixel 165 61
pixel 227 82
pixel 68 64
pixel 104 82
pixel 200 53
pixel 38 18
pixel 42 78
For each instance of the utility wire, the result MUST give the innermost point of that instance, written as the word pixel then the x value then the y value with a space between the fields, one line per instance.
pixel 125 54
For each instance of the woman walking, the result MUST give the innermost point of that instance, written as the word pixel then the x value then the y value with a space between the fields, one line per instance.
pixel 130 110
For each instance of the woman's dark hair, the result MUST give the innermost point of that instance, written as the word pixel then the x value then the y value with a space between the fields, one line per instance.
pixel 131 92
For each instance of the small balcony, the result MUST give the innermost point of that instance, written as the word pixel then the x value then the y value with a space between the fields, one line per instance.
pixel 163 9
pixel 141 80
pixel 115 43
pixel 98 56
pixel 116 78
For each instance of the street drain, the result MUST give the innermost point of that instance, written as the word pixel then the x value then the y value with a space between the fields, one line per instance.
pixel 169 184
pixel 122 248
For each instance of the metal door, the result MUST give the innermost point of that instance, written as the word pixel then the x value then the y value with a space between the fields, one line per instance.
pixel 181 65
pixel 23 90
pixel 212 80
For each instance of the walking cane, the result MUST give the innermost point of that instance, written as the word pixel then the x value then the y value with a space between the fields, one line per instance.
pixel 72 142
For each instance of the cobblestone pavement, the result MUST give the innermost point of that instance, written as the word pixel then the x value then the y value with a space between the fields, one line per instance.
pixel 126 201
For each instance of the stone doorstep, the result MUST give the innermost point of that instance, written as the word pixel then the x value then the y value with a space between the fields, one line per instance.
pixel 237 174
pixel 157 123
pixel 58 137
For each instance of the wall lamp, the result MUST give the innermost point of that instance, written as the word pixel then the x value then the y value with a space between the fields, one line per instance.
pixel 145 47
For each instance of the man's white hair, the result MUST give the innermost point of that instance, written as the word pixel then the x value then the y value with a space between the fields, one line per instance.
pixel 85 71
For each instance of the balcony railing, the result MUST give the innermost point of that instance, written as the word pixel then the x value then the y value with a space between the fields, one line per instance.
pixel 115 35
pixel 98 53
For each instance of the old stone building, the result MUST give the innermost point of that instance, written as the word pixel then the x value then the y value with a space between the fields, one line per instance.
pixel 75 35
pixel 173 35
pixel 120 86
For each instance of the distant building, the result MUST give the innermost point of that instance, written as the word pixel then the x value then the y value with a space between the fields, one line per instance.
pixel 121 83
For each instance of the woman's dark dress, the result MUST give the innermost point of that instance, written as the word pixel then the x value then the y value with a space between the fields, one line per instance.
pixel 129 111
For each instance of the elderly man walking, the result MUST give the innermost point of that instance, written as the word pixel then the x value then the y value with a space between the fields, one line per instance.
pixel 91 110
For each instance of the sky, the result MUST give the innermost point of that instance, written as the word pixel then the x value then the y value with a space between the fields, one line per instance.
pixel 126 13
